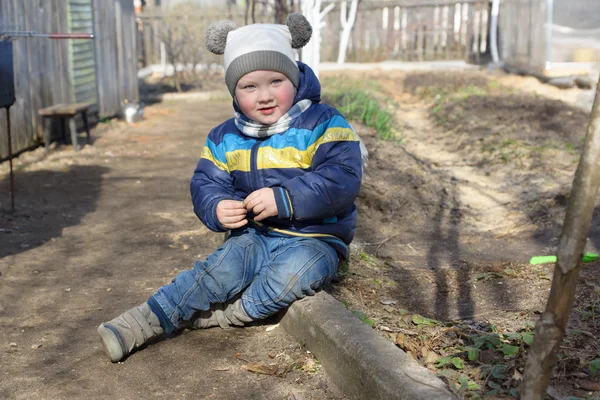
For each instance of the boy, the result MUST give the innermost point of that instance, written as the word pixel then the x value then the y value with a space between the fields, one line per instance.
pixel 282 176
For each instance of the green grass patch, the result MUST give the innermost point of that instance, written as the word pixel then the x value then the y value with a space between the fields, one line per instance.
pixel 362 101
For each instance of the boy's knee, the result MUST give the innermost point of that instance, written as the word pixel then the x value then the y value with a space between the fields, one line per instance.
pixel 306 254
pixel 304 268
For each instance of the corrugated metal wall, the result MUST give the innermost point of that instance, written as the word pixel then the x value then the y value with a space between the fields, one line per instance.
pixel 42 66
pixel 82 60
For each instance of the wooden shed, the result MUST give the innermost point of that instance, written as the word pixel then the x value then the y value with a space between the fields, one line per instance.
pixel 102 71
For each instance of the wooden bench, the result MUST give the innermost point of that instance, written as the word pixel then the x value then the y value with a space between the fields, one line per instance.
pixel 66 114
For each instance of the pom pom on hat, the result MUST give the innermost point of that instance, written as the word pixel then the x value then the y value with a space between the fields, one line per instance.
pixel 216 35
pixel 300 30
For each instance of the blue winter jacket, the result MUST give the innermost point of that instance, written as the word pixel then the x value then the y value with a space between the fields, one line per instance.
pixel 314 169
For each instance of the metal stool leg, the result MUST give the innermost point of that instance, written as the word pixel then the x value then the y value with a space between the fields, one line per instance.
pixel 63 130
pixel 73 129
pixel 47 132
pixel 86 126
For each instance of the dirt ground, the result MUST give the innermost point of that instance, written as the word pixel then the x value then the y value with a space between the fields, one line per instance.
pixel 95 233
pixel 450 213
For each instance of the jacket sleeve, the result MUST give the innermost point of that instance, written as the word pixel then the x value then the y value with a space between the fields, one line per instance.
pixel 210 184
pixel 334 180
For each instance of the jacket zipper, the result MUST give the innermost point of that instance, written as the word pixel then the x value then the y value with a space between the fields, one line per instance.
pixel 255 182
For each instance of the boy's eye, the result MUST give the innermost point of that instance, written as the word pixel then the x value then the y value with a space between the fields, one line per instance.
pixel 276 81
pixel 249 87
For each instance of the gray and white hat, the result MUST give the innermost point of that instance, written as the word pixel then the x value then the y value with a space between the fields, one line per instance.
pixel 259 47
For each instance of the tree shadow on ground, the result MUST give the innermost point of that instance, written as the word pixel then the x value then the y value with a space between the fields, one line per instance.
pixel 45 203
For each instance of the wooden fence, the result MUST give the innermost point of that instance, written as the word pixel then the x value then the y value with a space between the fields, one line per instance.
pixel 385 30
pixel 410 31
pixel 45 71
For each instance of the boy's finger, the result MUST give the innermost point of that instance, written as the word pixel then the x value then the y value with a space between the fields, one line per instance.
pixel 230 212
pixel 260 217
pixel 236 225
pixel 252 196
pixel 252 203
pixel 263 215
pixel 260 207
pixel 233 205
pixel 233 218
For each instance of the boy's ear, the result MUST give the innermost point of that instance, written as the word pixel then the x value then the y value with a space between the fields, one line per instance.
pixel 300 29
pixel 216 35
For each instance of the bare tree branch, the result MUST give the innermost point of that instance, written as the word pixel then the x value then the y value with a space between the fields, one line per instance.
pixel 551 327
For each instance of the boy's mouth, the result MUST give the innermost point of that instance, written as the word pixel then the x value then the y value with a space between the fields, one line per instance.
pixel 267 110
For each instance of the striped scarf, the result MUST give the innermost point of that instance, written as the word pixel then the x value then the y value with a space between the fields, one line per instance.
pixel 255 129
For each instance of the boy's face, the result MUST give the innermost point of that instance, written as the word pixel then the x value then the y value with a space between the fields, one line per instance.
pixel 264 96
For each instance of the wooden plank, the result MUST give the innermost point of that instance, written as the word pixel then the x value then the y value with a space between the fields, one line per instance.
pixel 403 43
pixel 381 34
pixel 129 38
pixel 334 30
pixel 106 50
pixel 120 50
pixel 411 33
pixel 468 55
pixel 390 34
pixel 22 130
pixel 35 67
pixel 458 30
pixel 429 30
pixel 65 109
pixel 419 34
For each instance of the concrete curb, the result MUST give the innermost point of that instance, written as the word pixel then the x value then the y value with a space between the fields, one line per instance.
pixel 362 364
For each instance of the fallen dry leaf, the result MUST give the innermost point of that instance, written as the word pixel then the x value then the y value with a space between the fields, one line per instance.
pixel 406 344
pixel 432 357
pixel 589 385
pixel 258 368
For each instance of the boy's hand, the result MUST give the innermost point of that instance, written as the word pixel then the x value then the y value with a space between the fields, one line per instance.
pixel 262 203
pixel 231 214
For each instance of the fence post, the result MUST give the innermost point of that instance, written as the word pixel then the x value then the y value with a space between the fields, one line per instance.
pixel 550 328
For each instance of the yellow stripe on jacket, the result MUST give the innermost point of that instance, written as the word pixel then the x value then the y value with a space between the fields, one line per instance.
pixel 290 157
pixel 287 157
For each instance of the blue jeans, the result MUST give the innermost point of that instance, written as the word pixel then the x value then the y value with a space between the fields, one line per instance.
pixel 271 272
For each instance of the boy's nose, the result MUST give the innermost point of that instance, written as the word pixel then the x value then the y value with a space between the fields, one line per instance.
pixel 264 95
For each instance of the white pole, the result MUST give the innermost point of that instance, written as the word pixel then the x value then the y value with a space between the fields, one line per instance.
pixel 347 24
pixel 493 31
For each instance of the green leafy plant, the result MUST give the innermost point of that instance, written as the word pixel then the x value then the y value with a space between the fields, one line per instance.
pixel 421 321
pixel 364 318
pixel 502 350
pixel 594 366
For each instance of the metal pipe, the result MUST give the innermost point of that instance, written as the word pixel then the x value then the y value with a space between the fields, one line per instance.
pixel 12 180
pixel 47 35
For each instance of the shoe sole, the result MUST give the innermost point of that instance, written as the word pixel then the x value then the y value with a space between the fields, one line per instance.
pixel 110 343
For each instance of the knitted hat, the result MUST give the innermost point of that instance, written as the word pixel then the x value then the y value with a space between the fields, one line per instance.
pixel 259 47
